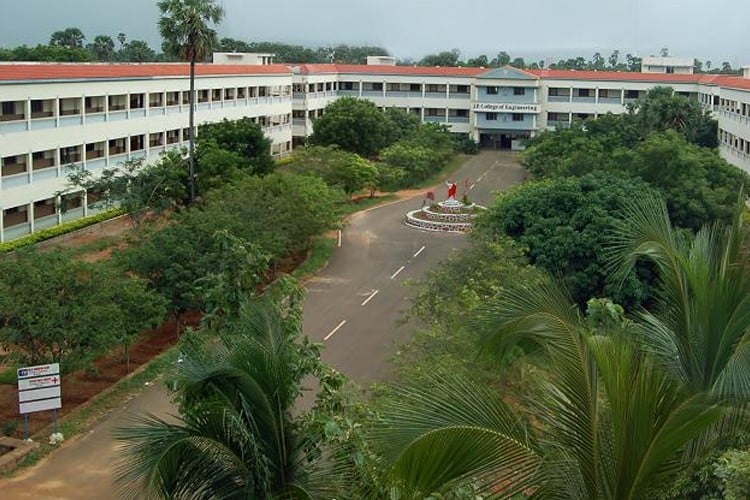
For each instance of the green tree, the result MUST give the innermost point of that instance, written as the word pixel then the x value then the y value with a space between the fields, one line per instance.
pixel 401 124
pixel 347 171
pixel 57 309
pixel 597 62
pixel 417 162
pixel 446 58
pixel 502 59
pixel 518 62
pixel 609 423
pixel 237 436
pixel 103 48
pixel 698 329
pixel 241 137
pixel 355 125
pixel 661 109
pixel 137 51
pixel 136 188
pixel 479 61
pixel 563 224
pixel 633 63
pixel 185 27
pixel 614 59
pixel 71 38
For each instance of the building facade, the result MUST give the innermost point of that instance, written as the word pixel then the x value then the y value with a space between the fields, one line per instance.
pixel 99 115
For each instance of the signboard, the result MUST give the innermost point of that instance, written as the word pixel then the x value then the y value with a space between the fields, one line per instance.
pixel 498 107
pixel 38 382
pixel 39 370
pixel 39 388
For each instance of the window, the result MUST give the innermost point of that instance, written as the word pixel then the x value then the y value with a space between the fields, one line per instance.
pixel 491 116
pixel 493 90
pixel 415 87
pixel 462 89
pixel 517 117
pixel 155 100
pixel 136 101
pixel 631 94
pixel 583 92
pixel 519 91
pixel 376 86
pixel 71 154
pixel 670 69
pixel 15 216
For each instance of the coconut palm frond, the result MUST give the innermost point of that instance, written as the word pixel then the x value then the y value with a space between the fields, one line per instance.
pixel 453 431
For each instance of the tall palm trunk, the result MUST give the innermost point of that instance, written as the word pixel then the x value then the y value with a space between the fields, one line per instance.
pixel 191 126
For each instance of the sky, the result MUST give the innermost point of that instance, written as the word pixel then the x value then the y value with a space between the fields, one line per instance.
pixel 536 29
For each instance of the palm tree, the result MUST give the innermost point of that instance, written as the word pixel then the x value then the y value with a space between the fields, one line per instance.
pixel 184 25
pixel 103 47
pixel 607 422
pixel 236 437
pixel 699 330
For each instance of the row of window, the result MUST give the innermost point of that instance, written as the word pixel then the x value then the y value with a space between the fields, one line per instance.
pixel 516 117
pixel 16 216
pixel 506 90
pixel 21 164
pixel 405 87
pixel 738 143
pixel 70 106
pixel 314 87
pixel 737 107
pixel 603 93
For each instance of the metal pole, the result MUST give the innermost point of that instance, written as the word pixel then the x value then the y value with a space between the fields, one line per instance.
pixel 26 426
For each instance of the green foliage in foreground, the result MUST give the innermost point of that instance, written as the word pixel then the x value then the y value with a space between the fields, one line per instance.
pixel 53 232
pixel 237 435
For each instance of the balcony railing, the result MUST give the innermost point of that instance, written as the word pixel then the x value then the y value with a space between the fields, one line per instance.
pixel 589 99
pixel 458 119
pixel 609 100
pixel 12 117
pixel 558 98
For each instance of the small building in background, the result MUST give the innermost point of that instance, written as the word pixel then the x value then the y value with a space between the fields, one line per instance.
pixel 667 65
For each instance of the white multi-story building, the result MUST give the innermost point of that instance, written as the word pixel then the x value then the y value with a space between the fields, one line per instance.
pixel 98 115
pixel 101 114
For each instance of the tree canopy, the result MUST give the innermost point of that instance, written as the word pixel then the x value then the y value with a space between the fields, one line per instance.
pixel 564 224
pixel 54 308
pixel 355 125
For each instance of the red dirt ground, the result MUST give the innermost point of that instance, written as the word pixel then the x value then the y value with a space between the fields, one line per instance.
pixel 79 387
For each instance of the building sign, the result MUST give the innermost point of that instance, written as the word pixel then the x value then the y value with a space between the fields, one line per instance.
pixel 39 388
pixel 495 107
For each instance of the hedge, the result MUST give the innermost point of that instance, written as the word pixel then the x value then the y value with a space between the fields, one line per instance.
pixel 59 230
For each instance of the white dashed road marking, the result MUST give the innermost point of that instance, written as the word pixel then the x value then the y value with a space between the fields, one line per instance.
pixel 368 299
pixel 343 322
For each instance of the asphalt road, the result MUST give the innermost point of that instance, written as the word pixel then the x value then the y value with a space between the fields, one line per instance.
pixel 356 304
pixel 353 306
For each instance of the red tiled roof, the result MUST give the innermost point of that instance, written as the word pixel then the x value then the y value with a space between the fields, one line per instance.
pixel 622 76
pixel 57 71
pixel 390 70
pixel 734 82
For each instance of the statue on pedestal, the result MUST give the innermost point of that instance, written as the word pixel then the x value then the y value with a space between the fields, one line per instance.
pixel 452 190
